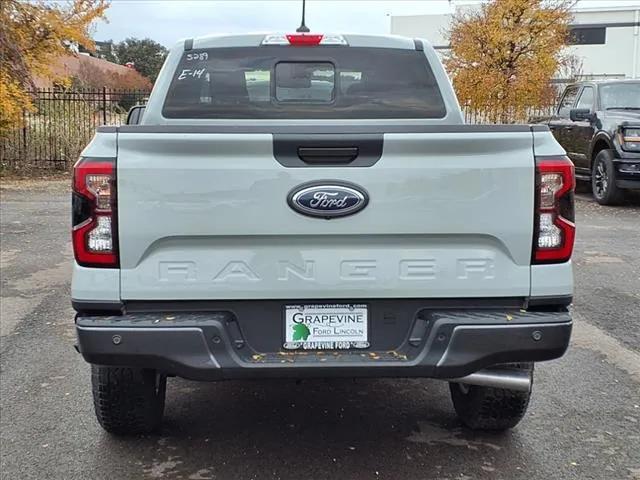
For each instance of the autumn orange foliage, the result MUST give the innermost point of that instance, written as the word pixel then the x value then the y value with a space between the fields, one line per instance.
pixel 504 54
pixel 32 35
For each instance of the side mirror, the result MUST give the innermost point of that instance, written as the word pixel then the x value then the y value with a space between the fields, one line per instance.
pixel 135 114
pixel 580 115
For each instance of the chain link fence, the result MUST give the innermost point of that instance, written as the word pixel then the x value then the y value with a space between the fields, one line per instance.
pixel 61 124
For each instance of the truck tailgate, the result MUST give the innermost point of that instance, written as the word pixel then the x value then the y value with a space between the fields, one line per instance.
pixel 205 216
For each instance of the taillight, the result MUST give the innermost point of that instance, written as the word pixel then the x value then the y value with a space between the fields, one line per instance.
pixel 94 220
pixel 554 227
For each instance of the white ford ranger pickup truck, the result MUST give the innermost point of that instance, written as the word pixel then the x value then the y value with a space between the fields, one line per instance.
pixel 307 205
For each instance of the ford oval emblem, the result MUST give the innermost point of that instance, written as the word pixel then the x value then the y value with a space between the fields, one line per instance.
pixel 328 199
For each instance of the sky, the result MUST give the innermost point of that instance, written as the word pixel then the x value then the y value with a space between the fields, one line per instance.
pixel 167 21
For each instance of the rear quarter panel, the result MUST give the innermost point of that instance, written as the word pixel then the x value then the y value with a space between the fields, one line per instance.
pixel 556 279
pixel 97 284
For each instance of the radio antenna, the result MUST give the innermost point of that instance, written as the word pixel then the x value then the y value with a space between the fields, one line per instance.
pixel 303 28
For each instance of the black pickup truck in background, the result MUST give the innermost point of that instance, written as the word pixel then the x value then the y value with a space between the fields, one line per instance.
pixel 598 124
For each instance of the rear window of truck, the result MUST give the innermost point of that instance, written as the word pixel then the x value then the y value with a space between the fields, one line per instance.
pixel 283 82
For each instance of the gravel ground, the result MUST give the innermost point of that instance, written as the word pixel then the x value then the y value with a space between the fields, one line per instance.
pixel 584 421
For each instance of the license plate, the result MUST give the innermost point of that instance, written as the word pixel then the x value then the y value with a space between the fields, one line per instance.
pixel 326 327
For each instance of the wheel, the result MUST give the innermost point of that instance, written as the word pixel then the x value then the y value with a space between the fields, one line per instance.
pixel 128 401
pixel 487 408
pixel 603 180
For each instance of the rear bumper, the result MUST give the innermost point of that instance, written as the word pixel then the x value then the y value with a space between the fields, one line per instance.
pixel 210 346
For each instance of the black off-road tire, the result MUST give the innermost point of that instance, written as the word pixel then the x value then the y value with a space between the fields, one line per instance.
pixel 603 180
pixel 128 401
pixel 487 408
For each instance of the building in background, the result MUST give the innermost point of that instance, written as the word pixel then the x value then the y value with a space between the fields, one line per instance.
pixel 104 50
pixel 606 41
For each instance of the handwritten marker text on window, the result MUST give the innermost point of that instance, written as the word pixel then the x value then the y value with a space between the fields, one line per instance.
pixel 187 72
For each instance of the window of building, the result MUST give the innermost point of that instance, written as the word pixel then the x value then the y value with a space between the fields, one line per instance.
pixel 587 35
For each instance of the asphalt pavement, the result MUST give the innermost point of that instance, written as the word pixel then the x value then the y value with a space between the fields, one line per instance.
pixel 583 423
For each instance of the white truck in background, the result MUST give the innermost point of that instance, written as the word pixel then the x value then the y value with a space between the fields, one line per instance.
pixel 308 205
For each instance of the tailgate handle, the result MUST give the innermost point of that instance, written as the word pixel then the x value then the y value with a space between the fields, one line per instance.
pixel 317 155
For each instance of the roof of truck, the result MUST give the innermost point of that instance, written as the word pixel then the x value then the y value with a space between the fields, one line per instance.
pixel 256 39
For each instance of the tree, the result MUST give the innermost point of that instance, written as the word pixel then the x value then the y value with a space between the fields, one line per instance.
pixel 504 54
pixel 93 77
pixel 32 35
pixel 146 55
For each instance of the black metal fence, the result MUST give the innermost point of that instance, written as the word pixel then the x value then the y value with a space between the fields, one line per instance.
pixel 61 124
pixel 489 117
pixel 527 116
pixel 63 121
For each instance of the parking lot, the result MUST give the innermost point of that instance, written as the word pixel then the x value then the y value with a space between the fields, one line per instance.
pixel 584 421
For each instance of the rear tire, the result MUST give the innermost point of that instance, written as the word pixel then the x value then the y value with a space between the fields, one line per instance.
pixel 487 408
pixel 128 401
pixel 603 180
